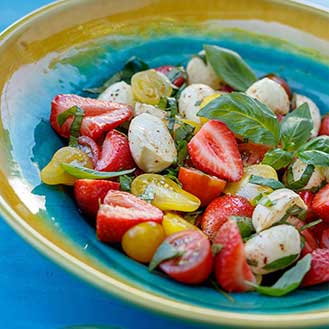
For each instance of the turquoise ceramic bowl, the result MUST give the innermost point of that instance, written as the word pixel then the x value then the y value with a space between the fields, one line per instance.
pixel 72 45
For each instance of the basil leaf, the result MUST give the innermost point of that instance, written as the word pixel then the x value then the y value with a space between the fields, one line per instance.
pixel 172 173
pixel 183 134
pixel 216 248
pixel 164 252
pixel 315 152
pixel 230 67
pixel 191 217
pixel 311 224
pixel 289 281
pixel 281 263
pixel 245 225
pixel 172 108
pixel 125 182
pixel 216 286
pixel 83 172
pixel 297 185
pixel 245 116
pixel 296 128
pixel 272 183
pixel 277 158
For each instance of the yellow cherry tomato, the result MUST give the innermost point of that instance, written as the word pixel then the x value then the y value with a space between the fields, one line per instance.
pixel 173 223
pixel 54 173
pixel 141 241
pixel 149 86
pixel 249 190
pixel 166 194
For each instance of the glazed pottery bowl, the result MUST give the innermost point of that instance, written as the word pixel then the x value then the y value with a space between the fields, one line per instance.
pixel 72 45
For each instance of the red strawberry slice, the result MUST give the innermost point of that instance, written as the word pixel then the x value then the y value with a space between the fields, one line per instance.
pixel 319 272
pixel 214 150
pixel 115 154
pixel 120 212
pixel 252 153
pixel 100 116
pixel 231 266
pixel 324 242
pixel 324 128
pixel 307 197
pixel 89 193
pixel 220 210
pixel 320 204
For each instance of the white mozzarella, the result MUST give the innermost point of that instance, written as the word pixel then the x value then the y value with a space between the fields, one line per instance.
pixel 271 94
pixel 119 92
pixel 273 207
pixel 200 72
pixel 141 108
pixel 151 144
pixel 315 112
pixel 190 99
pixel 271 245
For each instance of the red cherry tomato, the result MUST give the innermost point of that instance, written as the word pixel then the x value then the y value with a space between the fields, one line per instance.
pixel 195 264
pixel 252 153
pixel 324 242
pixel 89 146
pixel 175 74
pixel 324 128
pixel 204 186
pixel 307 197
pixel 281 82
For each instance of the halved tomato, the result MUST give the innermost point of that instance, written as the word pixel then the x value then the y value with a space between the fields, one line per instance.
pixel 252 153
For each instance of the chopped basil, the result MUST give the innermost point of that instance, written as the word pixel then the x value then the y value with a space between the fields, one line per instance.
pixel 281 263
pixel 245 225
pixel 216 286
pixel 182 135
pixel 315 152
pixel 83 172
pixel 272 183
pixel 172 173
pixel 216 248
pixel 172 108
pixel 230 67
pixel 311 224
pixel 305 177
pixel 125 182
pixel 277 158
pixel 191 217
pixel 289 281
pixel 245 116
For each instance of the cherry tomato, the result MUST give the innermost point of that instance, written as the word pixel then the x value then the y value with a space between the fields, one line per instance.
pixel 176 75
pixel 149 86
pixel 195 264
pixel 307 197
pixel 173 223
pixel 54 173
pixel 141 241
pixel 324 128
pixel 281 82
pixel 252 153
pixel 324 242
pixel 89 146
pixel 164 193
pixel 204 186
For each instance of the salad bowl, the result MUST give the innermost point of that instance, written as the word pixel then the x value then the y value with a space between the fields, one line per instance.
pixel 70 46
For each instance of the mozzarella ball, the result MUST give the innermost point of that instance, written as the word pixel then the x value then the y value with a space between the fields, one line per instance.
pixel 316 178
pixel 271 245
pixel 151 144
pixel 315 112
pixel 273 207
pixel 119 92
pixel 190 98
pixel 271 94
pixel 141 108
pixel 200 72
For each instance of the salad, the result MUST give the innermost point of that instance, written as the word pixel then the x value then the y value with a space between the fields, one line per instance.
pixel 206 173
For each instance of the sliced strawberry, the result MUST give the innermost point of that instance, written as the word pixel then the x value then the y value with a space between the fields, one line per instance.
pixel 252 153
pixel 120 212
pixel 231 268
pixel 214 150
pixel 324 242
pixel 320 204
pixel 175 74
pixel 318 229
pixel 89 193
pixel 90 147
pixel 115 153
pixel 220 210
pixel 319 272
pixel 100 116
pixel 307 197
pixel 324 128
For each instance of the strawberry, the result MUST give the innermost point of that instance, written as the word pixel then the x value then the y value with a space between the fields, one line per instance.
pixel 90 147
pixel 175 74
pixel 307 197
pixel 120 212
pixel 115 154
pixel 89 193
pixel 214 150
pixel 318 229
pixel 100 116
pixel 320 203
pixel 231 266
pixel 220 210
pixel 324 242
pixel 319 272
pixel 324 128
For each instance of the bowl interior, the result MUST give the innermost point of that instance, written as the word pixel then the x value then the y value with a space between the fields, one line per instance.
pixel 44 56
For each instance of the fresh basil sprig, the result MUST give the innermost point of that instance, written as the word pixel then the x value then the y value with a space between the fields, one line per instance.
pixel 182 135
pixel 125 182
pixel 245 116
pixel 230 67
pixel 289 281
pixel 302 181
pixel 245 225
pixel 270 182
pixel 281 263
pixel 278 158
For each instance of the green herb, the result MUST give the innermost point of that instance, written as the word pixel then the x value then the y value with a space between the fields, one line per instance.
pixel 132 66
pixel 175 73
pixel 224 293
pixel 191 217
pixel 216 248
pixel 300 183
pixel 164 252
pixel 183 134
pixel 245 225
pixel 230 67
pixel 148 194
pixel 296 211
pixel 296 128
pixel 173 111
pixel 78 115
pixel 83 172
pixel 163 103
pixel 255 201
pixel 315 152
pixel 266 202
pixel 125 182
pixel 281 263
pixel 177 92
pixel 245 116
pixel 311 224
pixel 172 173
pixel 289 281
pixel 277 158
pixel 270 182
